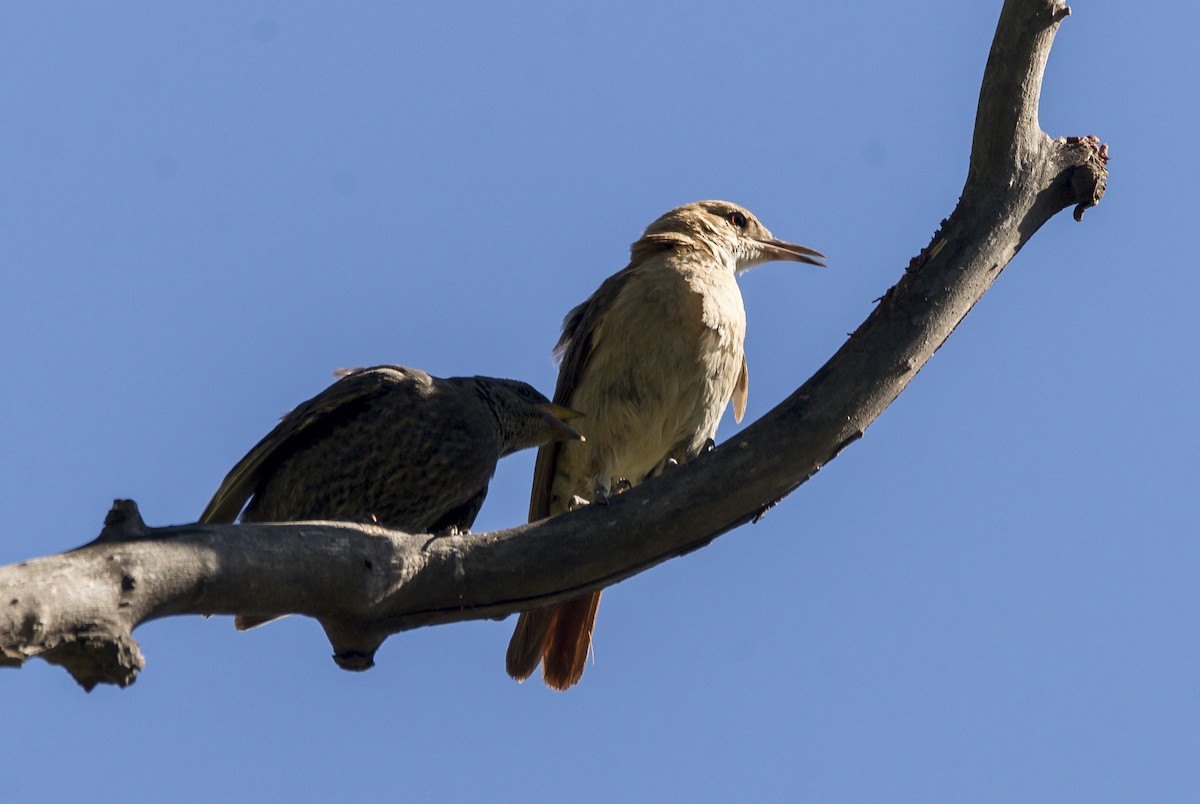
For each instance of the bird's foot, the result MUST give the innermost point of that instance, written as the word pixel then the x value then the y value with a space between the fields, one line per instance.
pixel 670 464
pixel 708 446
pixel 449 532
pixel 576 502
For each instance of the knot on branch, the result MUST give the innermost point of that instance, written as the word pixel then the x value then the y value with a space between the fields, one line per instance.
pixel 1089 179
pixel 353 645
pixel 98 656
pixel 123 522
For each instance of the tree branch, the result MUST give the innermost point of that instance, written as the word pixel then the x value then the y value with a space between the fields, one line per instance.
pixel 78 609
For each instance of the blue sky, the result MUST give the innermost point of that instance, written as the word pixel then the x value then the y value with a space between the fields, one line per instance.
pixel 992 596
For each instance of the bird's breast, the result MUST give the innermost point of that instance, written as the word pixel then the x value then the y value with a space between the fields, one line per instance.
pixel 663 363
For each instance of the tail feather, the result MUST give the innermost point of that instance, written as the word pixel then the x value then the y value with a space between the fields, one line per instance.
pixel 528 642
pixel 569 642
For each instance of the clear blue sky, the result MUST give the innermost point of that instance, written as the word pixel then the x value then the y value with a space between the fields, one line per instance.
pixel 993 596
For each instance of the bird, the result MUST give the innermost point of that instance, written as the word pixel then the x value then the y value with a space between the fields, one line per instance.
pixel 388 445
pixel 653 357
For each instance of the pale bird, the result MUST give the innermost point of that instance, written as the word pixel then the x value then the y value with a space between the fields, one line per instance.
pixel 652 359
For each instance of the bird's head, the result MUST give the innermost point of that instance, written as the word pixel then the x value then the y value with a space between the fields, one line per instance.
pixel 729 231
pixel 526 417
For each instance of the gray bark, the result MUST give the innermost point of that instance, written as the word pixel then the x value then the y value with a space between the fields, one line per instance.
pixel 78 609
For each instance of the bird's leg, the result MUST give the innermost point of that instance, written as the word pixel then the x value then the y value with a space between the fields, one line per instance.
pixel 602 492
pixel 618 485
pixel 708 446
pixel 671 462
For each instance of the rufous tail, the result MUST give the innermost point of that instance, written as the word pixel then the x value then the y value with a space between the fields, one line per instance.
pixel 557 637
pixel 569 642
pixel 528 642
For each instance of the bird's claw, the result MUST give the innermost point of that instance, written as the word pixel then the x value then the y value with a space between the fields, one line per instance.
pixel 448 532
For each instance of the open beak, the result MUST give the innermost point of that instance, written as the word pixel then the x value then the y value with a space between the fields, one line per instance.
pixel 782 250
pixel 556 415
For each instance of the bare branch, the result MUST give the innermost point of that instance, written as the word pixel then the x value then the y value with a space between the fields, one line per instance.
pixel 78 608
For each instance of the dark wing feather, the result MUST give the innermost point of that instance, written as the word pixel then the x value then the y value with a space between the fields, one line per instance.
pixel 353 389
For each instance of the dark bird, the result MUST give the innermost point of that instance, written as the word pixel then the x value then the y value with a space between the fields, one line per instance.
pixel 388 445
pixel 653 358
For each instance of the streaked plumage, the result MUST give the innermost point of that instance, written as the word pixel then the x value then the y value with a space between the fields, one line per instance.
pixel 388 445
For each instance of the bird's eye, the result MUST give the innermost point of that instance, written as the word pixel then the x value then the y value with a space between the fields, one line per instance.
pixel 737 219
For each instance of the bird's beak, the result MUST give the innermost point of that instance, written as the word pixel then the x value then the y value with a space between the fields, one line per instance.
pixel 782 250
pixel 556 414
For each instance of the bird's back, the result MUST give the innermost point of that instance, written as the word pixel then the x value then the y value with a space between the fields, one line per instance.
pixel 387 445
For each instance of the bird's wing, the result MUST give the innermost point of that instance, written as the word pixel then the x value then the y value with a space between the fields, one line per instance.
pixel 741 390
pixel 353 389
pixel 528 642
pixel 528 646
pixel 461 517
pixel 574 349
